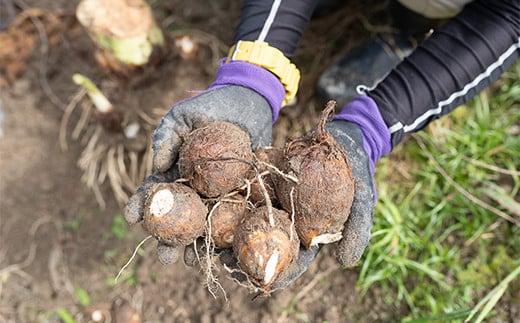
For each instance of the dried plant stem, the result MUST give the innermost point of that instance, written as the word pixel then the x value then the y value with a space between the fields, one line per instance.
pixel 211 280
pixel 247 284
pixel 114 176
pixel 461 190
pixel 247 185
pixel 123 172
pixel 293 213
pixel 66 116
pixel 279 172
pixel 268 203
pixel 146 163
pixel 131 258
pixel 134 165
pixel 146 118
pixel 491 167
pixel 83 121
pixel 248 189
pixel 321 133
pixel 99 196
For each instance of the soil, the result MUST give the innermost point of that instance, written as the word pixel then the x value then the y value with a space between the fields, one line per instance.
pixel 57 240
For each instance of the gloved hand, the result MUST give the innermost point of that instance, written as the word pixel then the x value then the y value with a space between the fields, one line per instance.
pixel 360 129
pixel 244 94
pixel 362 132
pixel 359 223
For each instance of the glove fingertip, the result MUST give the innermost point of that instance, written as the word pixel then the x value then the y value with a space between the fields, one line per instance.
pixel 349 259
pixel 163 157
pixel 350 249
pixel 190 255
pixel 133 211
pixel 168 254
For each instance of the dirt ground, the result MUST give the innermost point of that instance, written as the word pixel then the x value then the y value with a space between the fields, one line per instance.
pixel 55 239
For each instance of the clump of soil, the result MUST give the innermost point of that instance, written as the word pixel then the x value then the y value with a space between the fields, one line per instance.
pixel 174 214
pixel 216 158
pixel 265 245
pixel 323 196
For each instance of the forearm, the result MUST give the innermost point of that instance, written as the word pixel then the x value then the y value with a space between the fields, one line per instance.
pixel 459 60
pixel 279 22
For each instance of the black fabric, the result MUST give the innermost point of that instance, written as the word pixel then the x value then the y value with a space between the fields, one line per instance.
pixel 287 27
pixel 457 61
pixel 408 22
pixel 460 59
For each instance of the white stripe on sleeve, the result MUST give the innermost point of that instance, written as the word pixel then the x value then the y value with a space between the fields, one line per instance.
pixel 270 19
pixel 438 109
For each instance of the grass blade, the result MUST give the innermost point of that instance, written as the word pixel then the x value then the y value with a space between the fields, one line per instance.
pixel 490 300
pixel 499 195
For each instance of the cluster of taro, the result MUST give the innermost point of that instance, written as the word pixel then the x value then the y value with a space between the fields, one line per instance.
pixel 265 205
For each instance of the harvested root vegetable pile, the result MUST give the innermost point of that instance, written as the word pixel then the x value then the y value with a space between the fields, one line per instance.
pixel 262 205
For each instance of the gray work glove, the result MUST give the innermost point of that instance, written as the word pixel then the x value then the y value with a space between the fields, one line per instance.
pixel 356 233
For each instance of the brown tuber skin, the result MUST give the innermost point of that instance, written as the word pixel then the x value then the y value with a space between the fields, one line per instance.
pixel 174 214
pixel 265 155
pixel 323 196
pixel 264 250
pixel 216 158
pixel 225 218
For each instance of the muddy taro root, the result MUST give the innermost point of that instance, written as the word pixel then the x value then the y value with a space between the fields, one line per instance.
pixel 225 218
pixel 216 158
pixel 174 214
pixel 323 196
pixel 264 245
pixel 265 157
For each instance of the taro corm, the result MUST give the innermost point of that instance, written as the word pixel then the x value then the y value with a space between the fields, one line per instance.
pixel 324 193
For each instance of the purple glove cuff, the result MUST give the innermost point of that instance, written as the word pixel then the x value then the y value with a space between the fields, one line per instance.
pixel 363 111
pixel 255 78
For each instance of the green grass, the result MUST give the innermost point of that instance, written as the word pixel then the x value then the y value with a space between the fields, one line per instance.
pixel 443 240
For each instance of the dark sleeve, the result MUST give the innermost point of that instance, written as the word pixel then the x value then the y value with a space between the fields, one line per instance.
pixel 279 23
pixel 459 60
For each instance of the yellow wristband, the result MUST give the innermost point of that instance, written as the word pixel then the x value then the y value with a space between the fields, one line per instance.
pixel 261 54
